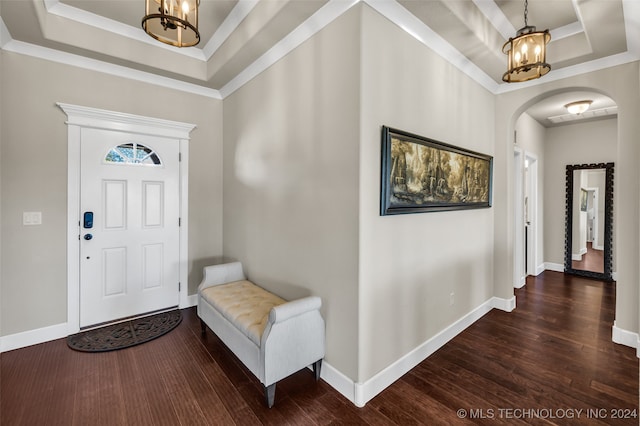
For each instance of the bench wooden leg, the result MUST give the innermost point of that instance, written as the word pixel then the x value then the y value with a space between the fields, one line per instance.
pixel 316 369
pixel 203 327
pixel 270 394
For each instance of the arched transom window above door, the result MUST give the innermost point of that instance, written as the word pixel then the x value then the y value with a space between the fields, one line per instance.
pixel 132 153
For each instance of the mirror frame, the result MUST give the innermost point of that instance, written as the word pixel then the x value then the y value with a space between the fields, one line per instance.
pixel 608 221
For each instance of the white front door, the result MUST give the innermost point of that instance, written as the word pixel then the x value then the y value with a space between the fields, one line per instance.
pixel 129 230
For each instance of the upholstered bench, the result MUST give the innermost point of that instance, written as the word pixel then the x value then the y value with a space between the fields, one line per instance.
pixel 273 338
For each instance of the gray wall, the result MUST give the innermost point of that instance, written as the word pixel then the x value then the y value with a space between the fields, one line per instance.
pixel 302 188
pixel 291 144
pixel 34 177
pixel 409 264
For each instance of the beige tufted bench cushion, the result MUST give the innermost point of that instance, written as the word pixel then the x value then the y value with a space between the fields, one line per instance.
pixel 244 304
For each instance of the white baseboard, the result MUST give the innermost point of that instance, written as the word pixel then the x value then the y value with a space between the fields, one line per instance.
pixel 33 337
pixel 598 248
pixel 339 381
pixel 506 305
pixel 59 331
pixel 360 393
pixel 521 282
pixel 540 269
pixel 576 257
pixel 556 267
pixel 626 338
pixel 192 300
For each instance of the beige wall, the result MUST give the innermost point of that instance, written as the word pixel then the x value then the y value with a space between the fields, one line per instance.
pixel 291 141
pixel 622 84
pixel 295 217
pixel 34 177
pixel 409 264
pixel 591 142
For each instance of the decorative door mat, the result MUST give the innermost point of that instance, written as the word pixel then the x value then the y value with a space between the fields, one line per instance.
pixel 125 334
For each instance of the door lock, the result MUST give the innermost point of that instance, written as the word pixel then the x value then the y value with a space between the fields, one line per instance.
pixel 88 237
pixel 88 220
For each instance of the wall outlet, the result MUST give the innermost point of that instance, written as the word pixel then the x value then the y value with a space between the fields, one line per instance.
pixel 452 299
pixel 32 218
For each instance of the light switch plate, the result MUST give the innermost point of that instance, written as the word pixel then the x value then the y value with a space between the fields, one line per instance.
pixel 32 218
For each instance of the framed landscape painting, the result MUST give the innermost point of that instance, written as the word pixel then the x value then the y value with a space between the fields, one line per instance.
pixel 423 175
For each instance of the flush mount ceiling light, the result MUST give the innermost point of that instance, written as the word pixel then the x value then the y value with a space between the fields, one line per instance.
pixel 578 107
pixel 173 22
pixel 527 53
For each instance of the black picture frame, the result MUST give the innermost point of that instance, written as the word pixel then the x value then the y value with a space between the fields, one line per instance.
pixel 421 175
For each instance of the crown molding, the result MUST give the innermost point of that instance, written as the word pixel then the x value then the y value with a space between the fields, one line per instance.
pixel 228 26
pixel 324 16
pixel 5 36
pixel 231 22
pixel 572 71
pixel 107 68
pixel 63 10
pixel 631 10
pixel 400 16
pixel 494 14
pixel 392 10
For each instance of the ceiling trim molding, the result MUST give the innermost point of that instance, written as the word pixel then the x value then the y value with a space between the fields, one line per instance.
pixel 55 7
pixel 566 31
pixel 107 68
pixel 392 10
pixel 5 35
pixel 631 10
pixel 400 16
pixel 572 71
pixel 231 22
pixel 496 17
pixel 316 22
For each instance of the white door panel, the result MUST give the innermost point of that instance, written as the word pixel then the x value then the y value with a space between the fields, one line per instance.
pixel 130 266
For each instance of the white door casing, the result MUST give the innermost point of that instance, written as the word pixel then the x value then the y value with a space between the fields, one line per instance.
pixel 531 191
pixel 129 256
pixel 80 117
pixel 519 273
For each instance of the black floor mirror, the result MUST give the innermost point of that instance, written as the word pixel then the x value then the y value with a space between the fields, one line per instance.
pixel 589 221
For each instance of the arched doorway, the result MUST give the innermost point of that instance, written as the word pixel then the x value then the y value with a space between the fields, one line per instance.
pixel 547 139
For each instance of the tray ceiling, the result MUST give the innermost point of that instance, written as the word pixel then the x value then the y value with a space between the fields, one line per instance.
pixel 242 37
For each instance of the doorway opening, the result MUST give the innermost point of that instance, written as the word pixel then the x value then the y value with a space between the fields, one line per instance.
pixel 79 120
pixel 525 216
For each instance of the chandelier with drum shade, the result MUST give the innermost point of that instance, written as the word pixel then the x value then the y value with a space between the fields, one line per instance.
pixel 173 22
pixel 527 53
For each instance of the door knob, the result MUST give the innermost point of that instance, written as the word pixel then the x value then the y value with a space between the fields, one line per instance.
pixel 88 237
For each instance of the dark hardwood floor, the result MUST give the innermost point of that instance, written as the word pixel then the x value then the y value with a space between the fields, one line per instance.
pixel 540 364
pixel 592 260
